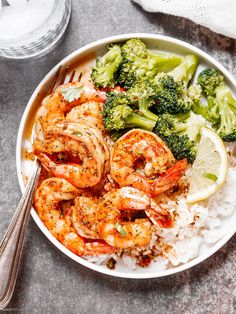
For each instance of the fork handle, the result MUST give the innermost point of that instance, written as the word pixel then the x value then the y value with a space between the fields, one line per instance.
pixel 12 243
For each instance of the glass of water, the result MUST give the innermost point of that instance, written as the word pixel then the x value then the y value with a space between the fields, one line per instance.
pixel 29 28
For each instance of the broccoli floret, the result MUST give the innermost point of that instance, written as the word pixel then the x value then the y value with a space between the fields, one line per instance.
pixel 139 62
pixel 173 97
pixel 181 133
pixel 226 105
pixel 144 93
pixel 172 93
pixel 220 110
pixel 195 93
pixel 104 72
pixel 163 95
pixel 209 79
pixel 170 96
pixel 208 110
pixel 118 113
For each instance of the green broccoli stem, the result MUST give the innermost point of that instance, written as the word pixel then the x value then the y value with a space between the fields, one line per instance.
pixel 143 105
pixel 163 63
pixel 135 120
pixel 185 70
pixel 200 109
pixel 224 96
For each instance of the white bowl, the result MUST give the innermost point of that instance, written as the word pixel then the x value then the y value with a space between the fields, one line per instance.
pixel 24 167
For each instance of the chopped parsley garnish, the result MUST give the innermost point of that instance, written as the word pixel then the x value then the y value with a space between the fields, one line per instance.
pixel 120 229
pixel 210 176
pixel 77 133
pixel 71 93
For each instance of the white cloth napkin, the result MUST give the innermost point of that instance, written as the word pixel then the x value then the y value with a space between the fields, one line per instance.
pixel 218 15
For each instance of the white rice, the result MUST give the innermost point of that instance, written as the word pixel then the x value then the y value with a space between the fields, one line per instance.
pixel 194 226
pixel 199 223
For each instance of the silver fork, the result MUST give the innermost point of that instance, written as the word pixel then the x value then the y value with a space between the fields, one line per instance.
pixel 12 243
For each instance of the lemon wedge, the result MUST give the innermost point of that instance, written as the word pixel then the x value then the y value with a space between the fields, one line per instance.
pixel 209 168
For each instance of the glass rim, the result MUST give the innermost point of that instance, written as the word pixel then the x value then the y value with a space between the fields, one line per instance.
pixel 5 45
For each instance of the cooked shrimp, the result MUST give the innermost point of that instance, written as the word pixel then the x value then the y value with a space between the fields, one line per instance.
pixel 142 160
pixel 85 208
pixel 84 216
pixel 125 234
pixel 55 106
pixel 90 112
pixel 75 152
pixel 48 204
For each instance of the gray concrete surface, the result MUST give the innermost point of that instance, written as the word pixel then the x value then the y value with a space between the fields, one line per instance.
pixel 48 281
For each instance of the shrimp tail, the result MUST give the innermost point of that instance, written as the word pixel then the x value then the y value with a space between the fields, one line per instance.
pixel 77 245
pixel 169 179
pixel 159 217
pixel 98 247
pixel 46 161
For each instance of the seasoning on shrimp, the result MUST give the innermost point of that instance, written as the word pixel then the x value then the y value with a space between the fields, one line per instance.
pixel 90 112
pixel 55 106
pixel 48 198
pixel 120 233
pixel 84 216
pixel 142 160
pixel 84 148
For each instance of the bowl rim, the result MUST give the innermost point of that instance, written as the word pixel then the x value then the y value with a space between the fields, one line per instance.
pixel 47 77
